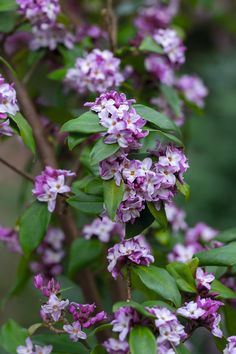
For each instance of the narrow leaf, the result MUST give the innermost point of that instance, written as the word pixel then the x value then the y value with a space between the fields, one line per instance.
pixel 87 123
pixel 159 215
pixel 142 340
pixel 223 291
pixel 102 151
pixel 221 256
pixel 227 236
pixel 183 188
pixel 172 98
pixel 87 203
pixel 113 196
pixel 182 274
pixel 25 131
pixel 150 45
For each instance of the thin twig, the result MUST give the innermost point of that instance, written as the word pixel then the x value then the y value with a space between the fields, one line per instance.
pixel 17 170
pixel 111 24
pixel 128 282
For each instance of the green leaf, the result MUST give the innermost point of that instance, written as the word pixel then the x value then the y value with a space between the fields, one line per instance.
pixel 86 123
pixel 181 349
pixel 8 5
pixel 229 316
pixel 99 349
pixel 160 120
pixel 87 203
pixel 135 305
pixel 113 196
pixel 142 340
pixel 32 329
pixel 150 45
pixel 102 151
pixel 33 226
pixel 223 291
pixel 61 343
pixel 11 336
pixel 183 188
pixel 227 236
pixel 58 74
pixel 25 131
pixel 158 303
pixel 7 21
pixel 75 139
pixel 160 281
pixel 140 224
pixel 22 276
pixel 221 256
pixel 193 264
pixel 172 98
pixel 159 215
pixel 83 253
pixel 182 274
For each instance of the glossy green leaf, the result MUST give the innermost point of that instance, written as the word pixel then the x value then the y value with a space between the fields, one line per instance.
pixel 158 303
pixel 227 236
pixel 86 123
pixel 221 256
pixel 75 139
pixel 230 315
pixel 160 281
pixel 11 336
pixel 159 215
pixel 8 5
pixel 83 253
pixel 172 98
pixel 113 196
pixel 183 276
pixel 87 203
pixel 24 130
pixel 140 224
pixel 193 264
pixel 223 291
pixel 135 305
pixel 58 74
pixel 33 226
pixel 102 151
pixel 99 349
pixel 181 349
pixel 160 120
pixel 142 340
pixel 183 188
pixel 150 45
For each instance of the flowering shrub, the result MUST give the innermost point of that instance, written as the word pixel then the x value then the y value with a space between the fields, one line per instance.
pixel 105 126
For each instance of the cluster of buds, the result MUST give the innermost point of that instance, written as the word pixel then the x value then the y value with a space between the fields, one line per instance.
pixel 97 71
pixel 131 251
pixel 49 184
pixel 8 106
pixel 46 32
pixel 145 180
pixel 103 228
pixel 116 114
pixel 56 310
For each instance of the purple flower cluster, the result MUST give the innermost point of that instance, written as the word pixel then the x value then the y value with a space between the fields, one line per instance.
pixel 46 32
pixel 231 346
pixel 30 348
pixel 145 180
pixel 123 124
pixel 176 217
pixel 10 238
pixel 49 184
pixel 203 312
pixel 103 228
pixel 8 106
pixel 50 254
pixel 97 71
pixel 160 67
pixel 134 250
pixel 55 309
pixel 193 89
pixel 39 11
pixel 151 18
pixel 116 346
pixel 170 331
pixel 200 233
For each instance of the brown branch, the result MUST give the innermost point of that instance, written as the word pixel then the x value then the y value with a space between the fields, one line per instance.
pixel 128 283
pixel 17 170
pixel 111 24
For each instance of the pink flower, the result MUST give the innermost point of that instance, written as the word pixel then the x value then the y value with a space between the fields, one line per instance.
pixel 193 89
pixel 74 331
pixel 29 348
pixel 54 307
pixel 204 279
pixel 191 311
pixel 8 101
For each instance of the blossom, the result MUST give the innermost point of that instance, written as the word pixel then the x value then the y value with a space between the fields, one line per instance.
pixel 11 239
pixel 193 89
pixel 191 311
pixel 204 279
pixel 116 346
pixel 176 217
pixel 123 124
pixel 82 313
pixel 160 68
pixel 50 36
pixel 5 128
pixel 97 71
pixel 171 45
pixel 54 307
pixel 102 228
pixel 74 331
pixel 200 232
pixel 181 253
pixel 30 349
pixel 231 346
pixel 125 317
pixel 8 101
pixel 49 184
pixel 134 250
pixel 39 11
pixel 163 315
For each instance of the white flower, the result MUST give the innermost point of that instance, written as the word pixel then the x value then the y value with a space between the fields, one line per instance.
pixel 54 307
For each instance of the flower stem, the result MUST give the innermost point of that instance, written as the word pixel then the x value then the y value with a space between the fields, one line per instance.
pixel 128 282
pixel 17 170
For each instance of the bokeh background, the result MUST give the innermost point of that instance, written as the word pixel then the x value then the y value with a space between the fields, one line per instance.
pixel 210 28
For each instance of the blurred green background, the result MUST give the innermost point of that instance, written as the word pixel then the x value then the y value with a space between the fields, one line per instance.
pixel 211 137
